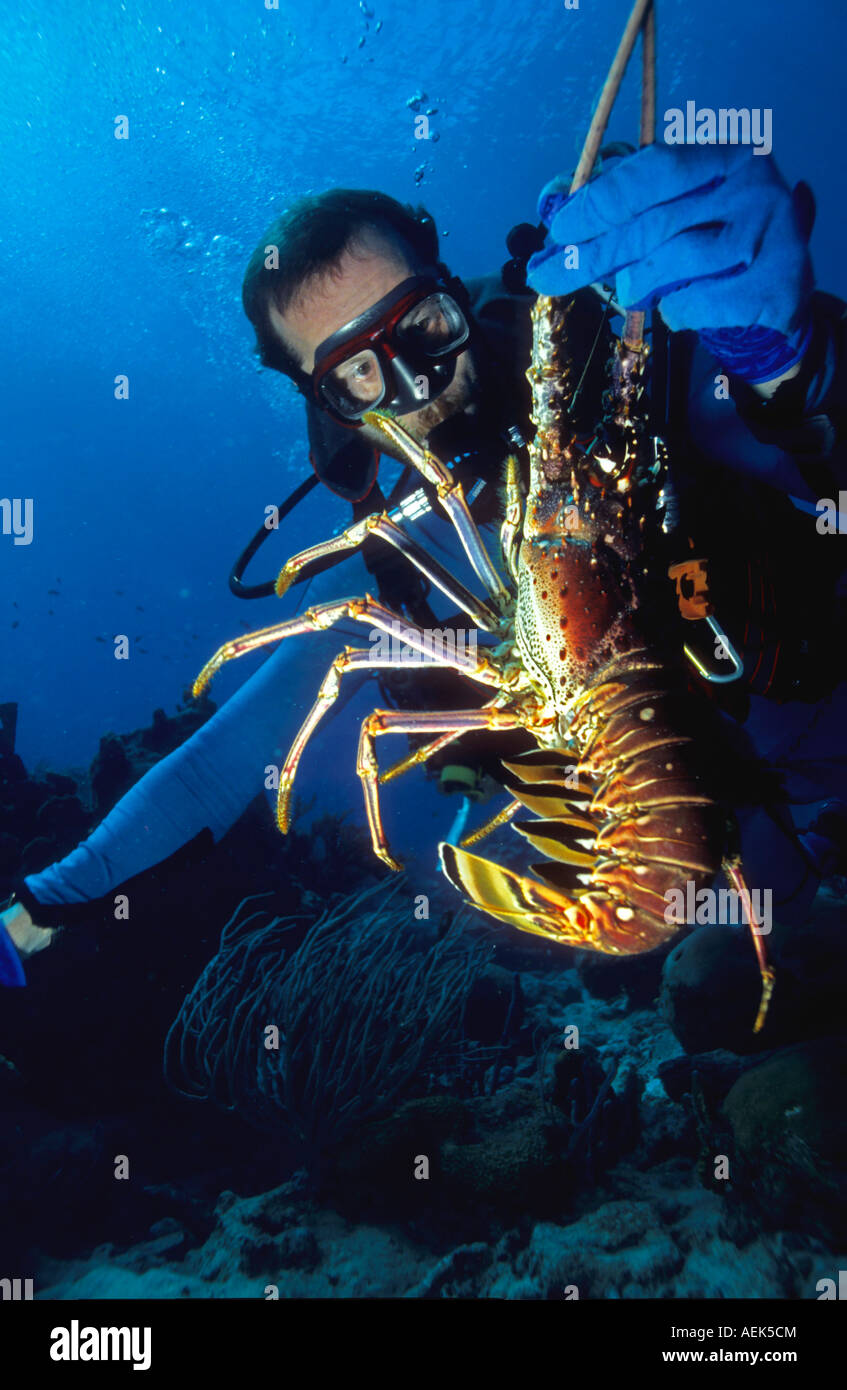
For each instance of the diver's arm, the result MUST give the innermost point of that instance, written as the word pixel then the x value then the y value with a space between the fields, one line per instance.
pixel 806 413
pixel 205 784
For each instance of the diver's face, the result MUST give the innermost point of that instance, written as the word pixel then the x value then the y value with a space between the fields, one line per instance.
pixel 367 271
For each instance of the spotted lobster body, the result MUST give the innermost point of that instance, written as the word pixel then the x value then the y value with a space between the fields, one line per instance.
pixel 623 811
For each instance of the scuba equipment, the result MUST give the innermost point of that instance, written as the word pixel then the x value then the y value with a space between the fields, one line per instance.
pixel 524 239
pixel 346 463
pixel 378 562
pixel 342 458
pixel 236 577
pixel 521 243
pixel 469 779
pixel 399 354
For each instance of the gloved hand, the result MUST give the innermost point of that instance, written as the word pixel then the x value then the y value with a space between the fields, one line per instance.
pixel 709 233
pixel 19 937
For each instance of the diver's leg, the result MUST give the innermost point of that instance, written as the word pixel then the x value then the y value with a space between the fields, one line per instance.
pixel 777 861
pixel 415 722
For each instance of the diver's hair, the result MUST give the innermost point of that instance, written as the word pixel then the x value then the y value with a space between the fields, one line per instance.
pixel 309 239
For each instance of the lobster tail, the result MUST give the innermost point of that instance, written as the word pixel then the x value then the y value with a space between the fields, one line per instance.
pixel 621 830
pixel 595 920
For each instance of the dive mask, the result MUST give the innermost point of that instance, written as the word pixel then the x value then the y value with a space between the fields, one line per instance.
pixel 398 355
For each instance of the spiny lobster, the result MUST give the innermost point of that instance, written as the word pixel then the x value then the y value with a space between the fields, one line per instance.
pixel 617 783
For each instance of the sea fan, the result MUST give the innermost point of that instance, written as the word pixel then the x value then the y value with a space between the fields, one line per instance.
pixel 360 1009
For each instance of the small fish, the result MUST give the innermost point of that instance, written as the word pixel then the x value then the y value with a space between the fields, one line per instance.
pixel 120 593
pixel 138 608
pixel 50 613
pixel 54 591
pixel 143 649
pixel 99 639
pixel 16 623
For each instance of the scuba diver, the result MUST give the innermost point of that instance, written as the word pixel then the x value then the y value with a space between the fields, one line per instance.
pixel 349 298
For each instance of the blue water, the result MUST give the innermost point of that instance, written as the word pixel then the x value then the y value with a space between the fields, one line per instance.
pixel 126 257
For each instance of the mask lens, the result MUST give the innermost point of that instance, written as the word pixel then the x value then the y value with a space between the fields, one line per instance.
pixel 354 385
pixel 434 326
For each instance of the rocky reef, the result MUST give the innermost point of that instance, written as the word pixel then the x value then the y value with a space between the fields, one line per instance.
pixel 580 1127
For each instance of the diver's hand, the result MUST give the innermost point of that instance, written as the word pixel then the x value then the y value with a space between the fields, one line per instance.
pixel 710 234
pixel 19 938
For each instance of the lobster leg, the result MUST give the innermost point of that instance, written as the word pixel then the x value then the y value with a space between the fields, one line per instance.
pixel 414 722
pixel 351 659
pixel 452 498
pixel 326 615
pixel 510 530
pixel 502 817
pixel 733 869
pixel 419 756
pixel 381 525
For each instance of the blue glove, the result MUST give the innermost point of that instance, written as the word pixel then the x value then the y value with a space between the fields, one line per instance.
pixel 710 233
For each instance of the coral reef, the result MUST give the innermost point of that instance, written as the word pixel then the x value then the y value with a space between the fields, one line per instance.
pixel 318 1039
pixel 43 817
pixel 711 986
pixel 570 1126
pixel 790 1135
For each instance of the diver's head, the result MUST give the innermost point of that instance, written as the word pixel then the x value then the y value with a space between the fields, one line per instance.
pixel 349 299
